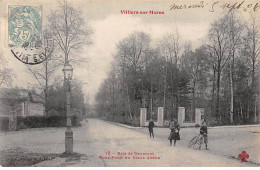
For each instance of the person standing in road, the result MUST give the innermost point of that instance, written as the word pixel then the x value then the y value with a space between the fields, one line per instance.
pixel 204 133
pixel 150 127
pixel 174 135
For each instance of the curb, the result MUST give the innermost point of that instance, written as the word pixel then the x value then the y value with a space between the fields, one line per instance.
pixel 215 127
pixel 127 126
pixel 123 125
pixel 239 126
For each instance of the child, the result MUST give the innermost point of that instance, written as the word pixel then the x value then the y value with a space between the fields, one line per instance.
pixel 204 133
pixel 150 127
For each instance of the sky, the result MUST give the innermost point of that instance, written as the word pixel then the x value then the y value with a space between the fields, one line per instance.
pixel 110 26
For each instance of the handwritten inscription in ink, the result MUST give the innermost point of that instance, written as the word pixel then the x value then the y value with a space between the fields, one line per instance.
pixel 211 7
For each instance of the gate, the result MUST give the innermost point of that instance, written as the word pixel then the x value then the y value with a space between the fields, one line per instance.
pixel 158 117
pixel 12 123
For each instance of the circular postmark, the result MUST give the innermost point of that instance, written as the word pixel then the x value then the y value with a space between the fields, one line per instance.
pixel 24 34
pixel 29 56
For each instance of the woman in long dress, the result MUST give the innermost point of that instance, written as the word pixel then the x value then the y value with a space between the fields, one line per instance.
pixel 174 135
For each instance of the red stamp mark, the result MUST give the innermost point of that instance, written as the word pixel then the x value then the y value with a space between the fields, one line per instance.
pixel 243 156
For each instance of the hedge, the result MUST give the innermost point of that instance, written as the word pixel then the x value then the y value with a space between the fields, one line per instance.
pixel 4 123
pixel 41 121
pixel 38 122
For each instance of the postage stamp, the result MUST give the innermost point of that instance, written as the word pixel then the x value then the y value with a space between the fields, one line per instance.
pixel 24 26
pixel 24 33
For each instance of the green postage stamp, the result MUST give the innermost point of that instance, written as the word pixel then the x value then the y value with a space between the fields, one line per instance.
pixel 24 26
pixel 24 33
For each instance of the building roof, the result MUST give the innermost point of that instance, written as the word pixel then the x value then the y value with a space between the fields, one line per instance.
pixel 35 98
pixel 6 93
pixel 20 94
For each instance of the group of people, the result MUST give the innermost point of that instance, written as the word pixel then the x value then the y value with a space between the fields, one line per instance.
pixel 175 129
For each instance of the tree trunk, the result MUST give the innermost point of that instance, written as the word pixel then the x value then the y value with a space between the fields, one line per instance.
pixel 46 85
pixel 218 95
pixel 248 109
pixel 255 109
pixel 129 105
pixel 231 94
pixel 193 100
pixel 213 92
pixel 177 92
pixel 241 110
pixel 113 98
pixel 254 90
pixel 151 102
pixel 164 96
pixel 165 88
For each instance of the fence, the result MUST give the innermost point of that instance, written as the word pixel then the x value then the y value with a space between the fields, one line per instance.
pixel 36 122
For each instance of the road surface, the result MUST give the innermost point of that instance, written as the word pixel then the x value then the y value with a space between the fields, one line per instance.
pixel 106 144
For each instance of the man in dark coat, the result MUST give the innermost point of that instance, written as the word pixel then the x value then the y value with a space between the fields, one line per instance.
pixel 150 127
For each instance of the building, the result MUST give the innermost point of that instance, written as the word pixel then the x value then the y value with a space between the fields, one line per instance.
pixel 20 102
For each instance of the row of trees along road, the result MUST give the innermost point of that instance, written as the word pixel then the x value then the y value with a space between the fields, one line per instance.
pixel 221 75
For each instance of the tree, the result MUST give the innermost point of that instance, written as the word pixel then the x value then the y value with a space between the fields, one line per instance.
pixel 243 91
pixel 69 31
pixel 170 48
pixel 7 75
pixel 44 73
pixel 77 95
pixel 194 63
pixel 219 46
pixel 131 53
pixel 151 80
pixel 56 96
pixel 252 51
pixel 235 31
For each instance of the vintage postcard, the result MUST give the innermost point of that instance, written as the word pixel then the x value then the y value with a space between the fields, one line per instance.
pixel 129 83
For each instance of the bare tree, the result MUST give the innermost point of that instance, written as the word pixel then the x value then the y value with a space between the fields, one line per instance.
pixel 219 45
pixel 252 51
pixel 170 48
pixel 131 53
pixel 191 62
pixel 7 75
pixel 69 31
pixel 112 85
pixel 44 73
pixel 235 30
